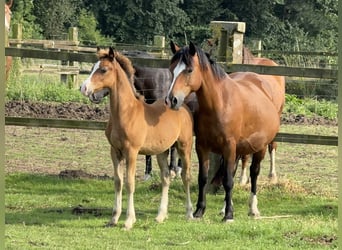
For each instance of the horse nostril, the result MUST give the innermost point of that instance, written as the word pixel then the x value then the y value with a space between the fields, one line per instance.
pixel 173 101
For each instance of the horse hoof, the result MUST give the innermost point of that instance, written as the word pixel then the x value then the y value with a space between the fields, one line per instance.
pixel 225 220
pixel 199 213
pixel 110 224
pixel 128 226
pixel 273 179
pixel 255 214
pixel 189 216
pixel 147 177
pixel 160 219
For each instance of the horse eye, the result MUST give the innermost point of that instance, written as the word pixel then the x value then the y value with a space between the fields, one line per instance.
pixel 189 70
pixel 103 70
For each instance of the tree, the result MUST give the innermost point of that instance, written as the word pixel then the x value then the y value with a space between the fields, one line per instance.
pixel 55 17
pixel 88 33
pixel 22 12
pixel 137 21
pixel 201 13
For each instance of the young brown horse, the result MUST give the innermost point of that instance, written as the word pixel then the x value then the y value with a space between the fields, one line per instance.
pixel 278 99
pixel 135 127
pixel 235 117
pixel 8 15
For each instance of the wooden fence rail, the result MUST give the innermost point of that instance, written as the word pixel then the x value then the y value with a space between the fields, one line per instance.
pixel 164 63
pixel 100 125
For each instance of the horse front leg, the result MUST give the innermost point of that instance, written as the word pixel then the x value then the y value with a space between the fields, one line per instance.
pixel 165 180
pixel 131 160
pixel 254 172
pixel 203 161
pixel 228 180
pixel 118 183
pixel 223 165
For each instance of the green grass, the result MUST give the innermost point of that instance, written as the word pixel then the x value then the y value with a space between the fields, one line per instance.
pixel 310 107
pixel 39 205
pixel 43 88
pixel 39 215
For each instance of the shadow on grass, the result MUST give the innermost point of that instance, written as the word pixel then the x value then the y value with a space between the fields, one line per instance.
pixel 28 193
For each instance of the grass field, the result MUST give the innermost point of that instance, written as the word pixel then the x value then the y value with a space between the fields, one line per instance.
pixel 44 211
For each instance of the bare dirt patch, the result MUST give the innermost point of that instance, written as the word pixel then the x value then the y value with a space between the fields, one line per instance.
pixel 79 111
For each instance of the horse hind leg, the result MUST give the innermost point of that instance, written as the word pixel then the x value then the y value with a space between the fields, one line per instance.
pixel 148 168
pixel 185 156
pixel 165 180
pixel 175 166
pixel 272 176
pixel 243 177
pixel 254 173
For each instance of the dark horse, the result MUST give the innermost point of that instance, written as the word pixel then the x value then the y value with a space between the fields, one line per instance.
pixel 153 84
pixel 235 117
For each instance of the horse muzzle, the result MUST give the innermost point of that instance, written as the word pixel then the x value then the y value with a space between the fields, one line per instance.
pixel 174 102
pixel 98 96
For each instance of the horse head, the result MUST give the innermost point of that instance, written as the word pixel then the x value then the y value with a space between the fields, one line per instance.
pixel 112 67
pixel 95 87
pixel 187 74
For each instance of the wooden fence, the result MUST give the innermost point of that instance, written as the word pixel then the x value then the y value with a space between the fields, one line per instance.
pixel 101 125
pixel 155 62
pixel 164 63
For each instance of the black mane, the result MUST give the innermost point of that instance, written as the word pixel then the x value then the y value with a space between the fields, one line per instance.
pixel 204 60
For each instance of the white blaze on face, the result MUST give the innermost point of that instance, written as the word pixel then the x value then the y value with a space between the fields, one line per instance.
pixel 176 72
pixel 84 86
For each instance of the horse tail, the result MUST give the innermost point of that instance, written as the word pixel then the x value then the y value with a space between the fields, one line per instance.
pixel 217 179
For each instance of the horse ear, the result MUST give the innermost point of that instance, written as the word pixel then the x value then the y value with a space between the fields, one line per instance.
pixel 10 4
pixel 111 53
pixel 192 49
pixel 174 47
pixel 98 48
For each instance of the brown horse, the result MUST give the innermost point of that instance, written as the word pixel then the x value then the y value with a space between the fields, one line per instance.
pixel 235 117
pixel 135 127
pixel 8 15
pixel 278 99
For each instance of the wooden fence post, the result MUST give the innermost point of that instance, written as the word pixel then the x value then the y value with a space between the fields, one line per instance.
pixel 230 37
pixel 159 41
pixel 17 33
pixel 256 45
pixel 72 78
